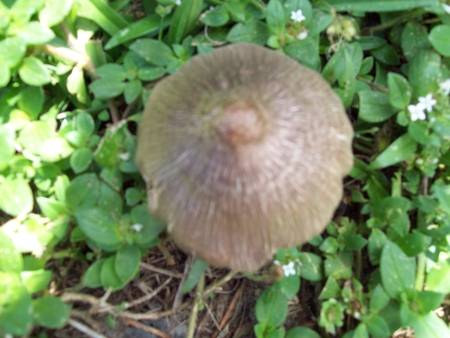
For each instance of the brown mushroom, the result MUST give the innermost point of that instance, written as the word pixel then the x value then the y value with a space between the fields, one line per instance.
pixel 244 151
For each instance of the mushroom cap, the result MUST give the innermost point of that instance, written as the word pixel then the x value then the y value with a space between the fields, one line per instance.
pixel 244 151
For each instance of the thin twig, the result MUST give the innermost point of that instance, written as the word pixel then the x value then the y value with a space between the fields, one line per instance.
pixel 231 307
pixel 146 298
pixel 146 328
pixel 83 328
pixel 194 310
pixel 161 271
pixel 374 85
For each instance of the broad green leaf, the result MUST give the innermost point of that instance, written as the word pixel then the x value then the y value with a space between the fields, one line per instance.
pixel 426 301
pixel 153 51
pixel 438 278
pixel 34 33
pixel 147 26
pixel 107 152
pixel 425 326
pixel 55 149
pixel 112 176
pixel 81 159
pixel 379 5
pixel 371 42
pixel 440 39
pixel 276 20
pixel 33 136
pixel 271 307
pixel 99 226
pixel 197 270
pixel 400 91
pixel 133 90
pixel 303 332
pixel 312 266
pixel 127 262
pixel 252 31
pixel 442 192
pixel 17 196
pixel 104 89
pixel 10 258
pixel 34 236
pixel 379 298
pixel 5 75
pixel 306 51
pixel 337 267
pixel 414 243
pixel 414 38
pixel 76 85
pixel 148 235
pixel 37 280
pixel 54 12
pixel 184 20
pixel 50 312
pixel 7 145
pixel 397 270
pixel 386 54
pixel 150 73
pixel 85 123
pixel 13 50
pixel 216 17
pixel 32 101
pixel 374 106
pixel 401 149
pixel 112 71
pixel 110 200
pixel 33 72
pixel 330 290
pixel 15 318
pixel 424 73
pixel 319 22
pixel 108 275
pixel 23 10
pixel 50 207
pixel 91 277
pixel 83 192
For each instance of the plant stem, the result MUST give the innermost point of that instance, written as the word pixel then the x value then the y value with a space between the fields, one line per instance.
pixel 405 17
pixel 194 310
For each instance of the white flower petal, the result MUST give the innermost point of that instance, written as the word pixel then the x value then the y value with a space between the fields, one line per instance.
pixel 302 35
pixel 297 16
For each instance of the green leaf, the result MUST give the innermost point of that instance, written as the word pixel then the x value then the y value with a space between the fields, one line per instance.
pixel 133 90
pixel 426 326
pixel 379 298
pixel 147 26
pixel 7 145
pixel 5 75
pixel 33 72
pixel 127 262
pixel 37 280
pixel 184 20
pixel 401 149
pixel 81 159
pixel 23 10
pixel 440 39
pixel 112 176
pixel 82 192
pixel 330 290
pixel 108 275
pixel 197 270
pixel 371 42
pixel 150 73
pixel 51 208
pixel 276 20
pixel 110 200
pixel 337 267
pixel 414 38
pixel 13 50
pixel 148 235
pixel 20 196
pixel 91 277
pixel 400 91
pixel 10 258
pixel 32 101
pixel 303 332
pixel 76 85
pixel 379 5
pixel 16 318
pixel 387 55
pixel 216 17
pixel 99 226
pixel 289 286
pixel 55 149
pixel 153 51
pixel 312 266
pixel 271 307
pixel 397 270
pixel 85 123
pixel 35 34
pixel 50 312
pixel 374 106
pixel 112 71
pixel 306 51
pixel 33 136
pixel 252 31
pixel 104 89
pixel 425 72
pixel 54 12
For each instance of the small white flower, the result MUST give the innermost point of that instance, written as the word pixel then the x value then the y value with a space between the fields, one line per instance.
pixel 297 16
pixel 302 35
pixel 178 2
pixel 446 8
pixel 137 227
pixel 417 112
pixel 445 86
pixel 125 156
pixel 428 102
pixel 289 269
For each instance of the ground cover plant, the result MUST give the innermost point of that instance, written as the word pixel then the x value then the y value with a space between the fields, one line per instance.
pixel 76 240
